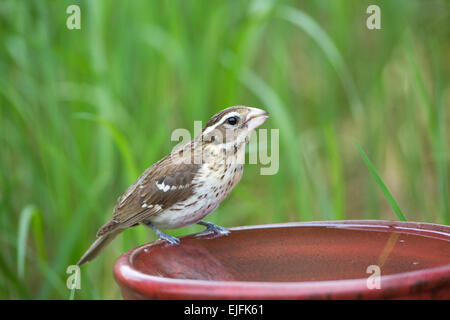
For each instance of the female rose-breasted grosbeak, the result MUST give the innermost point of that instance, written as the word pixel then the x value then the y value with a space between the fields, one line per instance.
pixel 184 187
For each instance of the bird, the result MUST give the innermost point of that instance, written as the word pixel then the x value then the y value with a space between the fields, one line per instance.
pixel 188 184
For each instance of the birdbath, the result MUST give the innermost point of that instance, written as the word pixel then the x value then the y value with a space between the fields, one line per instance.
pixel 361 259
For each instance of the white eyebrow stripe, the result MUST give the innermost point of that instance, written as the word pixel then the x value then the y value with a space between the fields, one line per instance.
pixel 226 116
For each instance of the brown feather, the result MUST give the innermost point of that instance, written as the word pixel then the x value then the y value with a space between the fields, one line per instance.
pixel 97 247
pixel 129 209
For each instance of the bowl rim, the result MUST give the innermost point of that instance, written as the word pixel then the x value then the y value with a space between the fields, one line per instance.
pixel 146 285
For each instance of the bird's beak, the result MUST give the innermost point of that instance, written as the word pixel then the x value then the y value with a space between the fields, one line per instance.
pixel 255 118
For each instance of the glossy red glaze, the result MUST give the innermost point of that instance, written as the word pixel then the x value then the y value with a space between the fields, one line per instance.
pixel 313 260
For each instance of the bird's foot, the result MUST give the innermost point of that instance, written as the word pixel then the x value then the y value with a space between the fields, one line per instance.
pixel 163 236
pixel 214 228
pixel 171 239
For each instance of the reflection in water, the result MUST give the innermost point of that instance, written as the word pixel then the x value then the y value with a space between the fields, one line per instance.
pixel 393 237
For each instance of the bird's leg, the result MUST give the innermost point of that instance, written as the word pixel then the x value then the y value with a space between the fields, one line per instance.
pixel 215 228
pixel 162 235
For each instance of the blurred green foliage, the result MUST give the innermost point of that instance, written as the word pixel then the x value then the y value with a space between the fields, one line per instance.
pixel 84 112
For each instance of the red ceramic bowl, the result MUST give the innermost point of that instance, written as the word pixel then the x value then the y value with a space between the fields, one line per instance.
pixel 314 260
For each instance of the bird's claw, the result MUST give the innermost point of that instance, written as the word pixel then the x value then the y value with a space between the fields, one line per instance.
pixel 218 230
pixel 171 239
pixel 163 236
pixel 211 227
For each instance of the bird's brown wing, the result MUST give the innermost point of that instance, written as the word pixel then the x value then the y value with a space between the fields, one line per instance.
pixel 158 188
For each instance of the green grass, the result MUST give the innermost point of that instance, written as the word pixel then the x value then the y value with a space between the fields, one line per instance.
pixel 84 112
pixel 386 192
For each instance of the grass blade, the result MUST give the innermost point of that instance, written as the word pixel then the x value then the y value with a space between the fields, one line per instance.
pixel 119 139
pixel 387 194
pixel 318 34
pixel 290 139
pixel 24 224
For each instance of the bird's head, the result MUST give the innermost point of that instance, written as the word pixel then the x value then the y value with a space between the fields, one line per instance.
pixel 233 126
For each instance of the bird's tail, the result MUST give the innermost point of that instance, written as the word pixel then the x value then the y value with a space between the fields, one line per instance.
pixel 98 246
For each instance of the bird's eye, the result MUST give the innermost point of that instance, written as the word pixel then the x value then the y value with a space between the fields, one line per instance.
pixel 232 121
